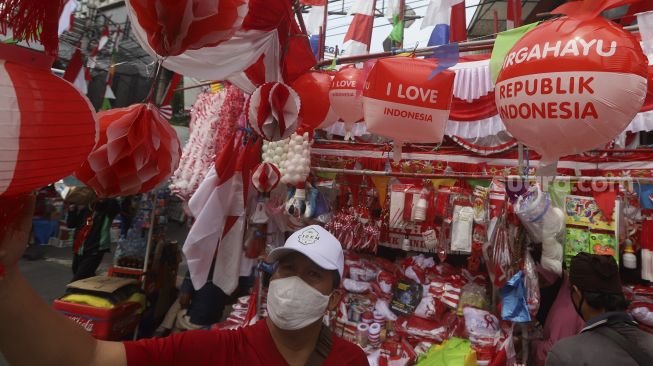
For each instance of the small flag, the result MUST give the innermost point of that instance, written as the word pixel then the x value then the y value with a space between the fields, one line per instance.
pixel 503 44
pixel 450 13
pixel 398 24
pixel 513 16
pixel 67 16
pixel 166 111
pixel 447 56
pixel 75 72
pixel 315 44
pixel 359 34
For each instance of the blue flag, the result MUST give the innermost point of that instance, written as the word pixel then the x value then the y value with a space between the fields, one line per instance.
pixel 315 44
pixel 439 35
pixel 447 56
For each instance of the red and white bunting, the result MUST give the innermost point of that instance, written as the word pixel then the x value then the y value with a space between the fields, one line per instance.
pixel 76 72
pixel 67 16
pixel 513 15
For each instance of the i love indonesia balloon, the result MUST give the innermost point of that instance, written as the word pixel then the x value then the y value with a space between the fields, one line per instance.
pixel 571 84
pixel 401 103
pixel 313 90
pixel 346 95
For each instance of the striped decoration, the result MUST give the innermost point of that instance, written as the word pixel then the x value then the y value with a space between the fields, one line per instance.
pixel 266 177
pixel 47 127
pixel 273 110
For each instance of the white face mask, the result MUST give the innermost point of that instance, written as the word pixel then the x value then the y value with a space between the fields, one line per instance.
pixel 293 304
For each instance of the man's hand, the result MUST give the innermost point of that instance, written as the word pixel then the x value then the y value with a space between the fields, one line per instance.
pixel 15 227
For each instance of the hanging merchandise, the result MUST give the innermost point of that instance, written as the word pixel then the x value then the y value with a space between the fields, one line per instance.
pixel 219 210
pixel 297 164
pixel 573 83
pixel 275 152
pixel 214 117
pixel 544 223
pixel 265 177
pixel 273 110
pixel 514 306
pixel 48 126
pixel 313 90
pixel 402 102
pixel 137 151
pixel 174 26
pixel 269 46
pixel 346 96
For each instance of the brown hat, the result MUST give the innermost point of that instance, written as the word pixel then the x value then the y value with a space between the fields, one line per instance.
pixel 595 273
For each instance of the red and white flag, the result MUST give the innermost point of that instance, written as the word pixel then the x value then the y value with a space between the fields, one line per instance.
pixel 104 39
pixel 513 15
pixel 447 12
pixel 75 72
pixel 67 16
pixel 315 19
pixel 359 35
pixel 219 209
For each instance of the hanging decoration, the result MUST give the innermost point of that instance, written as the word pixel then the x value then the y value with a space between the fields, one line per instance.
pixel 174 26
pixel 273 110
pixel 32 20
pixel 214 118
pixel 313 90
pixel 268 46
pixel 402 103
pixel 137 151
pixel 346 96
pixel 265 177
pixel 48 126
pixel 571 84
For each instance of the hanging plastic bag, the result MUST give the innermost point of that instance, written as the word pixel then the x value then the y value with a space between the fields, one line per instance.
pixel 515 308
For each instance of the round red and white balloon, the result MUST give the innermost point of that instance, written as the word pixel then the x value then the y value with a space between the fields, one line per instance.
pixel 313 90
pixel 265 177
pixel 174 26
pixel 273 111
pixel 47 126
pixel 137 151
pixel 402 103
pixel 571 85
pixel 346 94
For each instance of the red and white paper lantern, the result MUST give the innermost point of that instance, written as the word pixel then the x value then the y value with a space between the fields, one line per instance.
pixel 571 85
pixel 313 90
pixel 47 126
pixel 273 111
pixel 265 177
pixel 400 102
pixel 137 151
pixel 174 26
pixel 346 95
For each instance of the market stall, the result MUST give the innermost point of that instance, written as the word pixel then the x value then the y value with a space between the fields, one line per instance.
pixel 456 182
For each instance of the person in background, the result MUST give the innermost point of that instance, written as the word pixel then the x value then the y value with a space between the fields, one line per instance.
pixel 302 289
pixel 559 319
pixel 92 235
pixel 610 336
pixel 128 210
pixel 194 309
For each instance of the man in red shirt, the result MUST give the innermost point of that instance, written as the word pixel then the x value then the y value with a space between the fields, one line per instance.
pixel 301 290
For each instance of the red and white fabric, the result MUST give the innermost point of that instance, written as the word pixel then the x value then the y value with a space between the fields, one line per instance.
pixel 273 110
pixel 359 34
pixel 315 19
pixel 67 16
pixel 266 48
pixel 104 39
pixel 76 72
pixel 219 208
pixel 214 119
pixel 48 126
pixel 438 12
pixel 645 23
pixel 513 14
pixel 266 177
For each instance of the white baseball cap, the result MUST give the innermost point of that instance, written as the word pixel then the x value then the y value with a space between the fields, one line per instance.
pixel 317 244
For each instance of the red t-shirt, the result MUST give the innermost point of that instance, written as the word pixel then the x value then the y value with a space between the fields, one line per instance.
pixel 250 346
